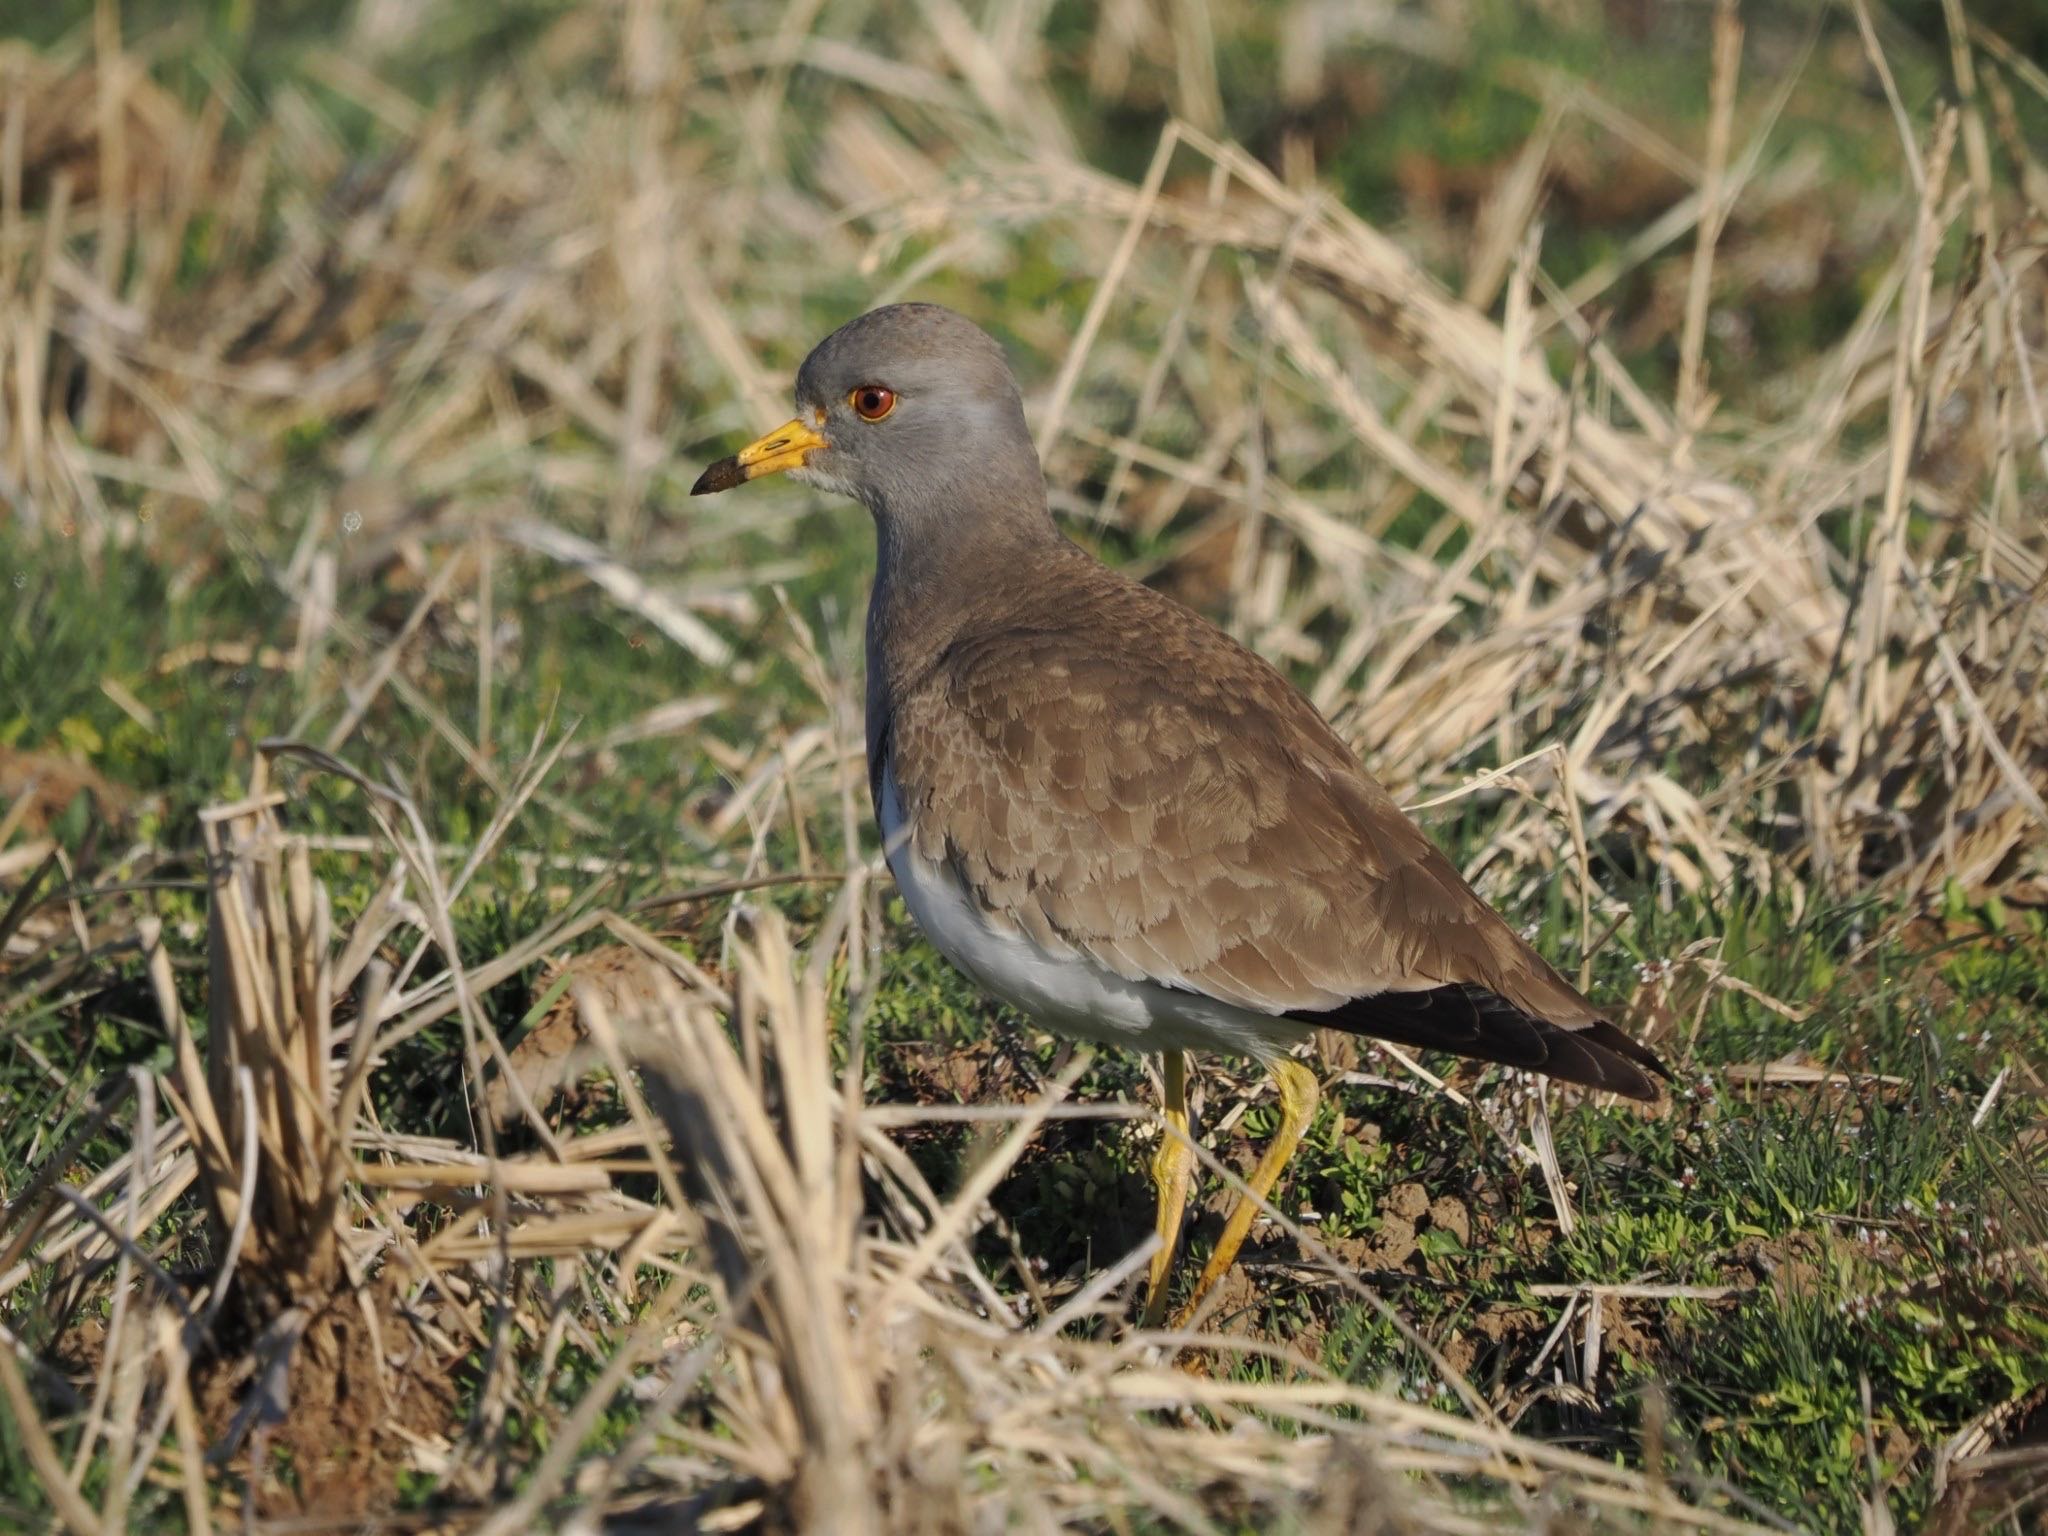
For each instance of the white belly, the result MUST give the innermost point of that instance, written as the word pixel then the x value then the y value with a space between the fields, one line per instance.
pixel 1064 989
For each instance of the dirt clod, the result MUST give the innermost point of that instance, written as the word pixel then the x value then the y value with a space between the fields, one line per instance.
pixel 359 1396
pixel 1407 1201
pixel 552 1055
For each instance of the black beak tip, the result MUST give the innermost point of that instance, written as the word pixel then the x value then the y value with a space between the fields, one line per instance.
pixel 722 476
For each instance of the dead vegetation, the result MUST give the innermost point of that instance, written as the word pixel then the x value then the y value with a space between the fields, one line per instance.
pixel 1793 639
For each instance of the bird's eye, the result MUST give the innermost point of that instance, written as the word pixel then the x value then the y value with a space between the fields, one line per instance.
pixel 871 402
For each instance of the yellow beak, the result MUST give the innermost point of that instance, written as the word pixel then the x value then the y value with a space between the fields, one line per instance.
pixel 787 447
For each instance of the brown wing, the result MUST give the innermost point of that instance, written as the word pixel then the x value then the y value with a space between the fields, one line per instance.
pixel 1122 776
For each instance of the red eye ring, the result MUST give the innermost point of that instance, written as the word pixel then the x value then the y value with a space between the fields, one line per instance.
pixel 871 402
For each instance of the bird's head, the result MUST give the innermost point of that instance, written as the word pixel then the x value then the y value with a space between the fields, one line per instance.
pixel 908 409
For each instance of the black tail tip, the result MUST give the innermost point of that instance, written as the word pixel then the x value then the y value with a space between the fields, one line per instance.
pixel 1636 1060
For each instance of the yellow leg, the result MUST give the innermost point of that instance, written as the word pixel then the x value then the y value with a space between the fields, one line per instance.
pixel 1172 1166
pixel 1298 1094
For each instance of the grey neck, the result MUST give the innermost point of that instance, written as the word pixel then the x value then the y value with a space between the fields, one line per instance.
pixel 945 561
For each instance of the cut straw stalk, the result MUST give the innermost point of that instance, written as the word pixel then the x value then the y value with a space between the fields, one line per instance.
pixel 513 1176
pixel 268 1044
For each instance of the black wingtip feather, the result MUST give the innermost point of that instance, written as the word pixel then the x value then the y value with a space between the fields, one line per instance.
pixel 1471 1021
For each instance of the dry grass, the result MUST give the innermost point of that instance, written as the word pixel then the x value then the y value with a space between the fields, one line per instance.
pixel 1792 639
pixel 818 1307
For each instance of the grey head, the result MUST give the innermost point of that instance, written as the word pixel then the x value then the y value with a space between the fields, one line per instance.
pixel 911 410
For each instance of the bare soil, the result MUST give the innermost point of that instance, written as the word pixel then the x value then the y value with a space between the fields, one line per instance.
pixel 360 1397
